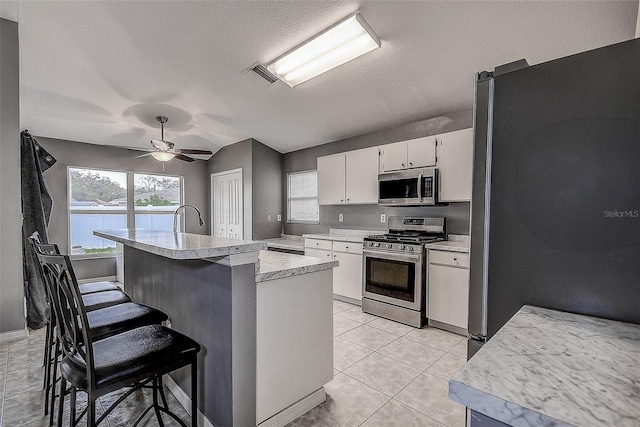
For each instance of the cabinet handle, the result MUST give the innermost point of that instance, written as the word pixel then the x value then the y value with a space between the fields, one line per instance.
pixel 348 200
pixel 410 163
pixel 341 200
pixel 402 164
pixel 317 243
pixel 455 259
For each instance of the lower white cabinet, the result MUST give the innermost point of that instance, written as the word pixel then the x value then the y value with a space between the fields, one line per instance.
pixel 347 277
pixel 448 295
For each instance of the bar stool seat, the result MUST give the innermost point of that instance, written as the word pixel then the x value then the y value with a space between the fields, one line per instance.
pixel 122 317
pixel 104 299
pixel 93 287
pixel 131 356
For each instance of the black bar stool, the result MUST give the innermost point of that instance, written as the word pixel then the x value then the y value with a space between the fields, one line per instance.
pixel 136 358
pixel 103 322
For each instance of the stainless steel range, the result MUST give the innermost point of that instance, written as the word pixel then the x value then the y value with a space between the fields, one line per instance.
pixel 394 269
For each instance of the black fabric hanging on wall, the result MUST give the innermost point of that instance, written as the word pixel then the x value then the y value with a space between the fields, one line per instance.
pixel 36 211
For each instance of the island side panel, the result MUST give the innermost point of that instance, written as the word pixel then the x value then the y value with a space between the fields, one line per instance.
pixel 295 339
pixel 210 303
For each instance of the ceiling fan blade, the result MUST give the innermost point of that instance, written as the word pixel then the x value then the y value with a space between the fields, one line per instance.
pixel 185 158
pixel 193 151
pixel 144 155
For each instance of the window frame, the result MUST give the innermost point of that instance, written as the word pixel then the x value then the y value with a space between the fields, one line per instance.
pixel 289 198
pixel 129 211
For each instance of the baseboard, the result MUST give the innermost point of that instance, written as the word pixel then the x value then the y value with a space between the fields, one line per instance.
pixel 347 299
pixel 302 406
pixel 97 279
pixel 185 400
pixel 19 334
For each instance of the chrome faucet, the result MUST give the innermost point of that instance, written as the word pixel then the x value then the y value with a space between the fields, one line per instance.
pixel 175 216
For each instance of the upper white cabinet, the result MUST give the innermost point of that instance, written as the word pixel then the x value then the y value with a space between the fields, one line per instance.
pixel 331 179
pixel 414 153
pixel 348 178
pixel 455 165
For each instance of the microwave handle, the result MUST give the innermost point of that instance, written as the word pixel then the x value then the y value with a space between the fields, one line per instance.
pixel 420 188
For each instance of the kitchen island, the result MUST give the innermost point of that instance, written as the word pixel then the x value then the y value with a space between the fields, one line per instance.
pixel 551 368
pixel 263 319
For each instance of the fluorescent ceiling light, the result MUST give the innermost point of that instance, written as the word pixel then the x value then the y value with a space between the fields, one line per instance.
pixel 162 156
pixel 342 42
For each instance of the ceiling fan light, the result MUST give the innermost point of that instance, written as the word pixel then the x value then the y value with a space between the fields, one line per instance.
pixel 162 156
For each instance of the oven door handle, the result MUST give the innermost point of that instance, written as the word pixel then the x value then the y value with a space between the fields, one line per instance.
pixel 420 188
pixel 391 255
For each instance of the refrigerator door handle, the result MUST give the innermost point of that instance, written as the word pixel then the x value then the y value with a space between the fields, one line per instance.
pixel 480 203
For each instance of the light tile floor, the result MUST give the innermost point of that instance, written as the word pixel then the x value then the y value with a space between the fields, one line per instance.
pixel 386 374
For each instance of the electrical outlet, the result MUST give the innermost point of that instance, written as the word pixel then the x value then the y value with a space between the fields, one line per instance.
pixel 279 217
pixel 340 217
pixel 383 217
pixel 167 323
pixel 269 217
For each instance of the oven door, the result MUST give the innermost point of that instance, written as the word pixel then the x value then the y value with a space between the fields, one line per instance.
pixel 393 278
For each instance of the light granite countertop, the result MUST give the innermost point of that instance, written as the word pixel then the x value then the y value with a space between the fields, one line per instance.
pixel 180 245
pixel 550 368
pixel 344 235
pixel 277 265
pixel 454 243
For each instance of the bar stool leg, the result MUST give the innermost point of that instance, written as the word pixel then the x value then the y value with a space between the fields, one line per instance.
pixel 194 393
pixel 63 387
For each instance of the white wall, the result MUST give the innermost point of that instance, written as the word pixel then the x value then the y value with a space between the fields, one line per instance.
pixel 11 284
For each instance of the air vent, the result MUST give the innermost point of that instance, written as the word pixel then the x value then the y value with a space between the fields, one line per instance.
pixel 262 71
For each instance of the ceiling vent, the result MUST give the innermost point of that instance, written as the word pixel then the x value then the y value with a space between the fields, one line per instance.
pixel 260 74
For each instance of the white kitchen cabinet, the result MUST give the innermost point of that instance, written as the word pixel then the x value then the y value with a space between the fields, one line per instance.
pixel 331 179
pixel 348 178
pixel 361 182
pixel 455 165
pixel 448 289
pixel 347 276
pixel 414 153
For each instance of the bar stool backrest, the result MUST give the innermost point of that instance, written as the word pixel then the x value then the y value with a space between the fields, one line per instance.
pixel 69 310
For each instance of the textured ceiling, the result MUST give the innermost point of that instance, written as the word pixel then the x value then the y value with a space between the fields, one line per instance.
pixel 100 71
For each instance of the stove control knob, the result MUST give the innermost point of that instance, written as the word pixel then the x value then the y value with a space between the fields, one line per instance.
pixel 403 247
pixel 389 245
pixel 376 245
pixel 410 248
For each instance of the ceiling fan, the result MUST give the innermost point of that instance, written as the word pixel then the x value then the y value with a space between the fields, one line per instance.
pixel 164 151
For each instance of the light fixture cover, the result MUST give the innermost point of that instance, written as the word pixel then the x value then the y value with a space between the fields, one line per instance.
pixel 340 43
pixel 162 156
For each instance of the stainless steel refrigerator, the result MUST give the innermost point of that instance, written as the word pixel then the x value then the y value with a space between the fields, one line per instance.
pixel 555 211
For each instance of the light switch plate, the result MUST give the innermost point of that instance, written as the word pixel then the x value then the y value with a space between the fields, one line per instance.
pixel 383 217
pixel 279 218
pixel 269 217
pixel 340 217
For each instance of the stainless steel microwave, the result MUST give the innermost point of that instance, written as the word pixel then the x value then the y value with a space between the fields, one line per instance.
pixel 413 187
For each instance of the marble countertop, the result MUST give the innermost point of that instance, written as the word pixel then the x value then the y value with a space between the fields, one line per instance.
pixel 546 367
pixel 180 245
pixel 344 235
pixel 454 243
pixel 277 265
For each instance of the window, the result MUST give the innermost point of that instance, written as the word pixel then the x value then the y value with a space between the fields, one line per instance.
pixel 302 197
pixel 100 200
pixel 156 198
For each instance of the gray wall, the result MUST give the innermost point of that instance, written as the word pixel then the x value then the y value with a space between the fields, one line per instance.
pixel 11 284
pixel 69 153
pixel 267 191
pixel 262 176
pixel 230 157
pixel 368 216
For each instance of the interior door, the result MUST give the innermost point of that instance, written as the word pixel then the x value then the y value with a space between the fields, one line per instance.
pixel 227 208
